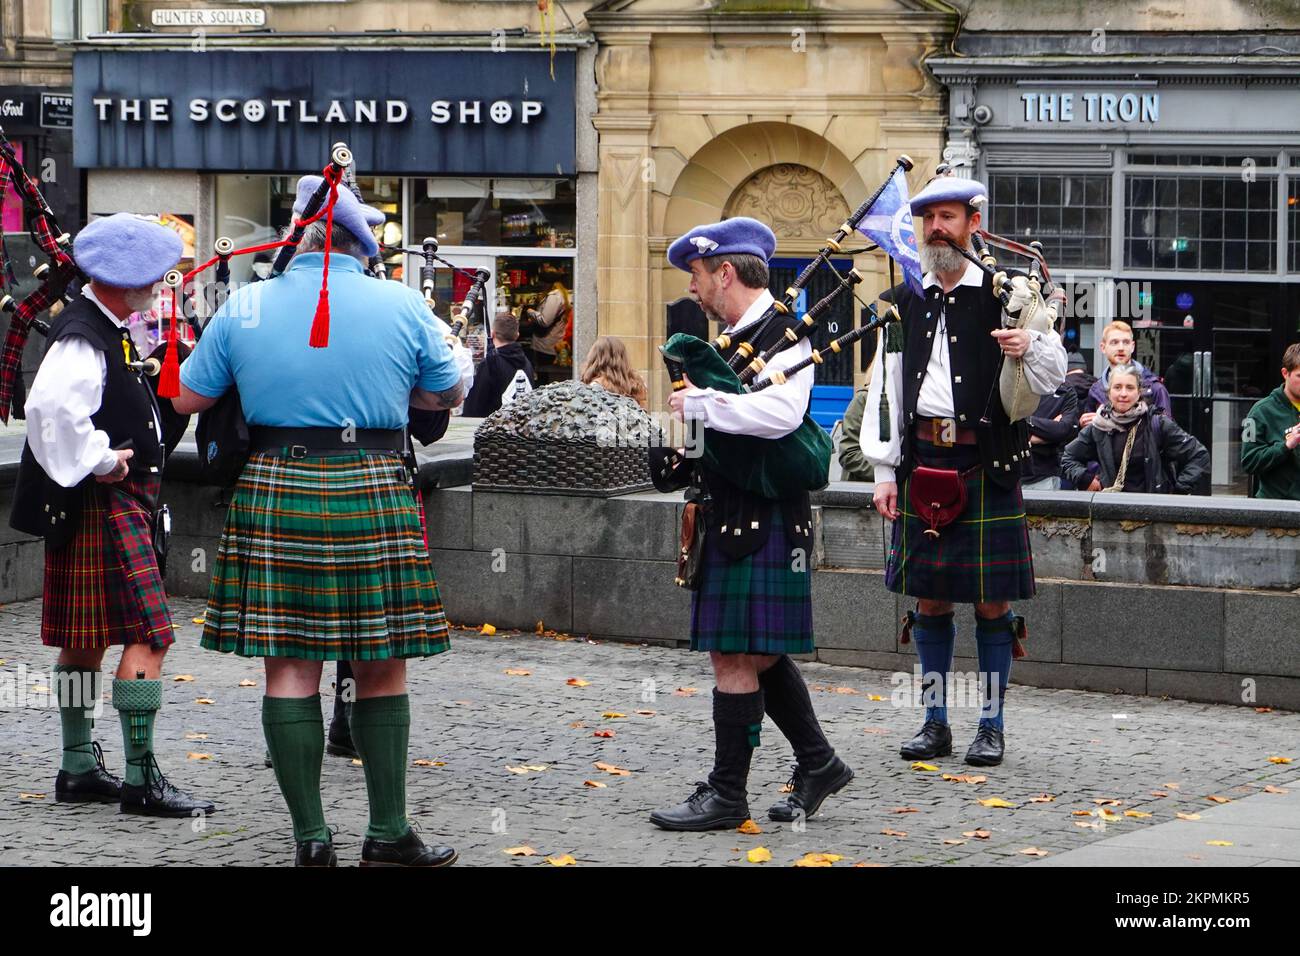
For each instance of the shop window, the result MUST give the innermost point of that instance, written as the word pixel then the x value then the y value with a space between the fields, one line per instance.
pixel 1201 223
pixel 1293 226
pixel 252 209
pixel 1203 159
pixel 1069 213
pixel 529 213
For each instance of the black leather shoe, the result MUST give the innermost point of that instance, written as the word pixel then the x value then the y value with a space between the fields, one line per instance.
pixel 339 742
pixel 986 749
pixel 406 851
pixel 934 740
pixel 95 785
pixel 705 809
pixel 316 853
pixel 810 789
pixel 158 798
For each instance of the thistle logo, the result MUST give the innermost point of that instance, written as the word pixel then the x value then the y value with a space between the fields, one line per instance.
pixel 77 909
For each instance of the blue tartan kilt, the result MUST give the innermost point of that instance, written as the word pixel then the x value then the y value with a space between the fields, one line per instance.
pixel 761 604
pixel 982 556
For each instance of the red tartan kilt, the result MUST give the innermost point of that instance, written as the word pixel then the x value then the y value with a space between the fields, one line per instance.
pixel 103 587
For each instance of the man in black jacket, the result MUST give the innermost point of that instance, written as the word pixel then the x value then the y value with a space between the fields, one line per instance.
pixel 1052 426
pixel 498 369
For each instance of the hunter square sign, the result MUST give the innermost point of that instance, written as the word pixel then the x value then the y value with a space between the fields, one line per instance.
pixel 418 112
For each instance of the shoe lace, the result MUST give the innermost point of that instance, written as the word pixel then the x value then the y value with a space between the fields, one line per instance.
pixel 796 778
pixel 986 733
pixel 159 786
pixel 98 753
pixel 703 789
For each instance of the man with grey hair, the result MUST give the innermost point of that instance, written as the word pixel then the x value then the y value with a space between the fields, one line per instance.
pixel 323 557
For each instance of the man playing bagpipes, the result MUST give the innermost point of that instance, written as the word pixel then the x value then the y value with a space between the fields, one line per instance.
pixel 944 429
pixel 88 484
pixel 752 607
pixel 322 556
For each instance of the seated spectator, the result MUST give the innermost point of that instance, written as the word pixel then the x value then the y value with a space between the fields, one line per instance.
pixel 853 462
pixel 609 366
pixel 498 368
pixel 1271 435
pixel 1117 346
pixel 1053 425
pixel 1134 448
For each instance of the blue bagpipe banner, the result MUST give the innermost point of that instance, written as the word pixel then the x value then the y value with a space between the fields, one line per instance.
pixel 889 225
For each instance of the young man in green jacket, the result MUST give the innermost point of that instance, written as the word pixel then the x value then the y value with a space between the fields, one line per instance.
pixel 1271 435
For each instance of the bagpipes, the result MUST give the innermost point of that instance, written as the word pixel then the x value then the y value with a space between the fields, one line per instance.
pixel 799 461
pixel 55 275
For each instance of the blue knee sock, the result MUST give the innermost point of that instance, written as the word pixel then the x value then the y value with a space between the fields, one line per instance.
pixel 993 644
pixel 935 636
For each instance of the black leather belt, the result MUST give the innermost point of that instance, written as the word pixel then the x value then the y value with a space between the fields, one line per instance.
pixel 320 442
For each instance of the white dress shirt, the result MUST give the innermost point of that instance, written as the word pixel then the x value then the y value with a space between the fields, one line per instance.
pixel 1044 365
pixel 772 413
pixel 68 389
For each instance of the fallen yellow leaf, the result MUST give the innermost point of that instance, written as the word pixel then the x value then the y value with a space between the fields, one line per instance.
pixel 1159 793
pixel 197 620
pixel 1042 798
pixel 1136 813
pixel 876 697
pixel 997 802
pixel 612 770
pixel 204 700
pixel 603 733
pixel 760 854
pixel 1272 789
pixel 31 796
pixel 1188 816
pixel 357 763
pixel 926 767
pixel 247 683
pixel 196 736
pixel 577 682
pixel 517 672
pixel 1082 813
pixel 594 784
pixel 566 860
pixel 197 756
pixel 612 715
pixel 422 762
pixel 520 851
pixel 1218 843
pixel 818 859
pixel 954 842
pixel 1108 803
pixel 750 827
pixel 488 629
pixel 965 778
pixel 1033 851
pixel 847 690
pixel 1279 759
pixel 1218 799
pixel 1106 814
pixel 685 692
pixel 183 677
pixel 894 833
pixel 977 834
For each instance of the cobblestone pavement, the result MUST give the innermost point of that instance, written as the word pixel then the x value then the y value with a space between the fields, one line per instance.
pixel 473 720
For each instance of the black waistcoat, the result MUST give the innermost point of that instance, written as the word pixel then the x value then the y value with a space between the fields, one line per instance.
pixel 42 506
pixel 970 315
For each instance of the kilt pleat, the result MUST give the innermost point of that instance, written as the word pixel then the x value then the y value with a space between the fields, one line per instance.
pixel 103 587
pixel 324 559
pixel 761 604
pixel 982 556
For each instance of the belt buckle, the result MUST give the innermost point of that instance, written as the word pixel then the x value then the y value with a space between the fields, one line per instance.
pixel 937 428
pixel 298 451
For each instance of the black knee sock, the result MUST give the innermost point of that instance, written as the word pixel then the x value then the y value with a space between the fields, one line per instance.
pixel 790 707
pixel 737 720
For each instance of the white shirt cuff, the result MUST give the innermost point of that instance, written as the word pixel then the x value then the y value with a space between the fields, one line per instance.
pixel 884 473
pixel 108 462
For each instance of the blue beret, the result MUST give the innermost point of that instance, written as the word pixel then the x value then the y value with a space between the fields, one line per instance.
pixel 949 189
pixel 126 251
pixel 357 218
pixel 739 235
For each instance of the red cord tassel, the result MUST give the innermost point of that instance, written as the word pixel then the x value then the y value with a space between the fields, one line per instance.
pixel 169 377
pixel 320 325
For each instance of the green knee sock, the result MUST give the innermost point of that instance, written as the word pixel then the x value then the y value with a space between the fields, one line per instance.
pixel 137 703
pixel 381 727
pixel 295 737
pixel 76 713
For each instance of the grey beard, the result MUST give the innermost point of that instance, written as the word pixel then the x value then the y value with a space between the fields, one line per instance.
pixel 940 257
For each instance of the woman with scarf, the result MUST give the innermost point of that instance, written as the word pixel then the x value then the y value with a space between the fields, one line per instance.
pixel 1134 447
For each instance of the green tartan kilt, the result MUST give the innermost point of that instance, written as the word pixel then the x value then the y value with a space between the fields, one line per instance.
pixel 324 559
pixel 761 604
pixel 983 556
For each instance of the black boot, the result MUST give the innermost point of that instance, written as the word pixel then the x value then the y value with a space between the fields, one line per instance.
pixel 986 749
pixel 934 740
pixel 96 785
pixel 315 853
pixel 406 851
pixel 158 798
pixel 338 743
pixel 721 802
pixel 818 772
pixel 809 788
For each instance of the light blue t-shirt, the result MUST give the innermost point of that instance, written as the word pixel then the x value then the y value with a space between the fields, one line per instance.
pixel 382 344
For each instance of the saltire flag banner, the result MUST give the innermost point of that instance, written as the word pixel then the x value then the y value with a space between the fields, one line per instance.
pixel 888 224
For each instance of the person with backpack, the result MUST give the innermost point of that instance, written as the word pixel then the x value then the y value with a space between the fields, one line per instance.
pixel 1133 447
pixel 497 371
